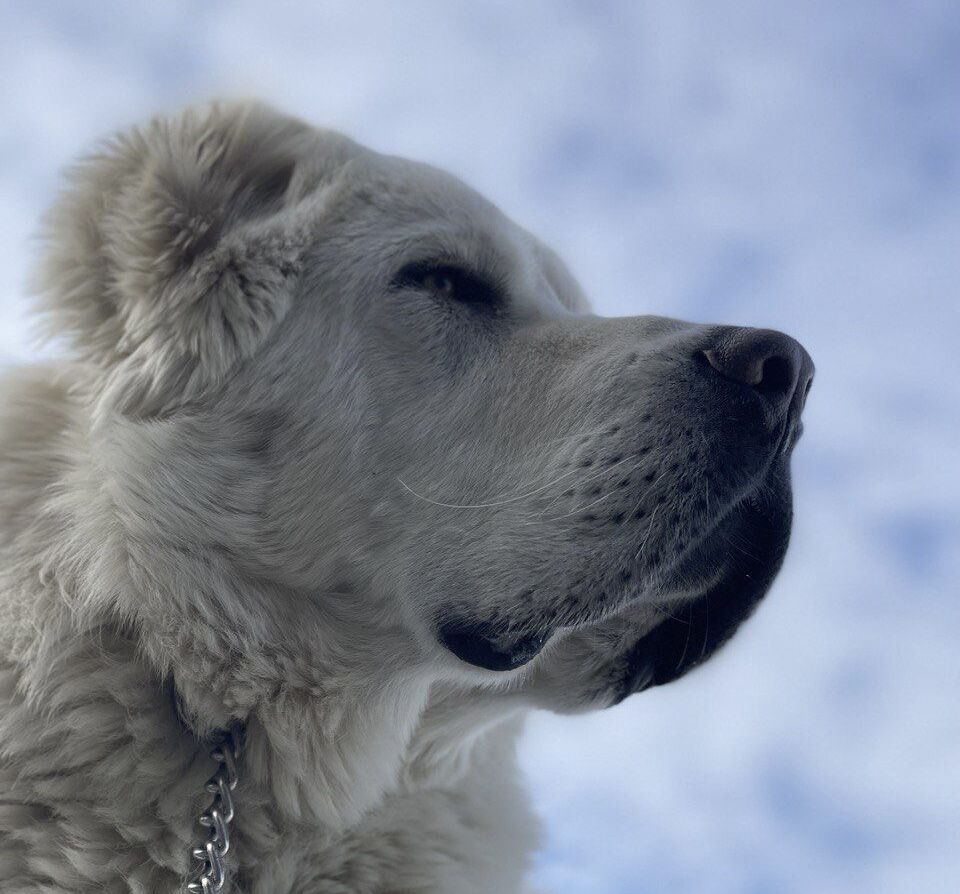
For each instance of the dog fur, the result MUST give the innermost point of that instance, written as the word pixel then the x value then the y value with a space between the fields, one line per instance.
pixel 281 482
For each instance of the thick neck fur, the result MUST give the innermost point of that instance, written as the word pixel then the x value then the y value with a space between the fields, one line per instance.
pixel 97 755
pixel 120 621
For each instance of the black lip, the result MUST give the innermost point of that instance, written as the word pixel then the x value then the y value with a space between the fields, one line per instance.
pixel 688 638
pixel 482 646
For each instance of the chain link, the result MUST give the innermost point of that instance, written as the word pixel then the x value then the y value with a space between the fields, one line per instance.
pixel 209 876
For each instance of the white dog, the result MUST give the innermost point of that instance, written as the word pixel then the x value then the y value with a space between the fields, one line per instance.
pixel 342 463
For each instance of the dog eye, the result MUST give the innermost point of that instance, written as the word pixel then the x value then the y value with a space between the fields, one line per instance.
pixel 441 283
pixel 447 282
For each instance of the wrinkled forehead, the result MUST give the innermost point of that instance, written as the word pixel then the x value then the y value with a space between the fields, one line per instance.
pixel 402 211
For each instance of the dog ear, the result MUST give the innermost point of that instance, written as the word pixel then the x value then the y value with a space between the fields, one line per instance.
pixel 176 249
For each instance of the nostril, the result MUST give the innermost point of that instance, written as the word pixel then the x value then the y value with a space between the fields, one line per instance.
pixel 733 367
pixel 776 376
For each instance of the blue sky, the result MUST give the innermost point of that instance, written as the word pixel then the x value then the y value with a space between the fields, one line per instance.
pixel 784 164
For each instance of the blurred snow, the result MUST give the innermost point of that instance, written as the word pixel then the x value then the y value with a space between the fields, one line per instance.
pixel 794 165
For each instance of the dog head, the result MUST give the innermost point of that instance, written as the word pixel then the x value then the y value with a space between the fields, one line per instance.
pixel 357 432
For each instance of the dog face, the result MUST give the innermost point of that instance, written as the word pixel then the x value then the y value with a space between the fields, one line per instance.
pixel 389 410
pixel 529 471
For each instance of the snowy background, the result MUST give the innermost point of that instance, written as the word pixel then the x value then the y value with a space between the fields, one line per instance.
pixel 787 164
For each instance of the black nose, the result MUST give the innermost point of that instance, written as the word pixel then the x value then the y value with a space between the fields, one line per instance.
pixel 770 362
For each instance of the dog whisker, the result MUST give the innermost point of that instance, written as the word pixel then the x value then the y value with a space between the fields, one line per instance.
pixel 492 503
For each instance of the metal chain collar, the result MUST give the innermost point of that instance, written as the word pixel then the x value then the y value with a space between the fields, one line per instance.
pixel 210 872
